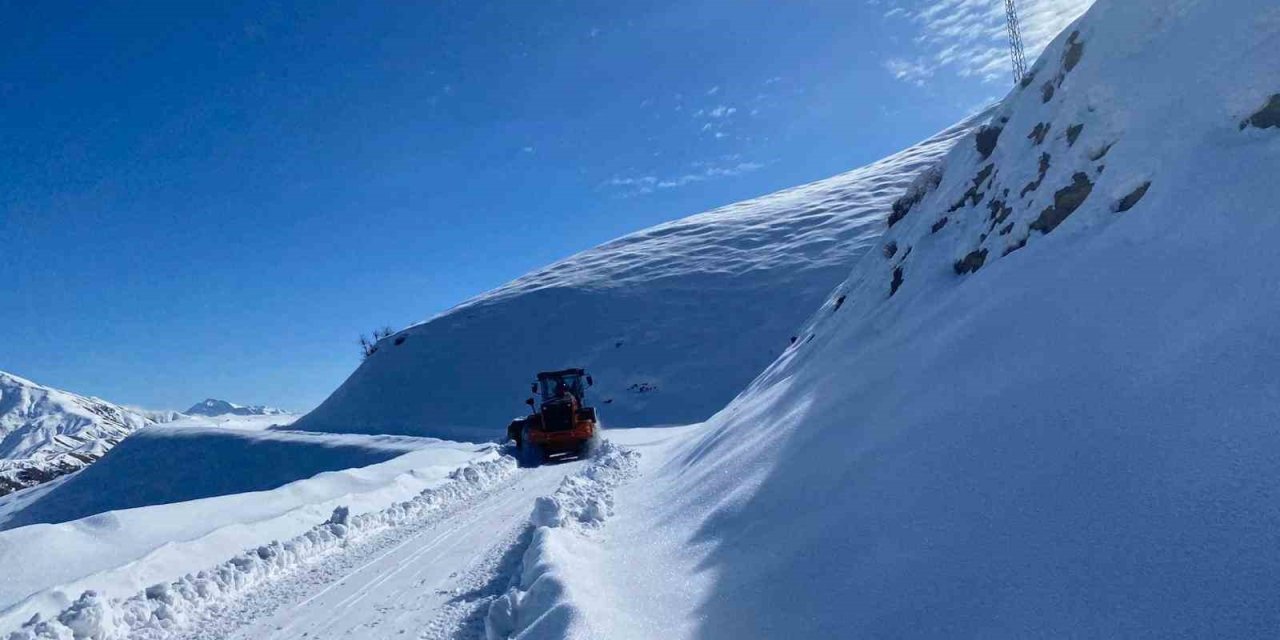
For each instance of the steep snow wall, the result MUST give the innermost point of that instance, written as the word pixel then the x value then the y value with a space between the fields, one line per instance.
pixel 672 321
pixel 46 433
pixel 173 464
pixel 1048 404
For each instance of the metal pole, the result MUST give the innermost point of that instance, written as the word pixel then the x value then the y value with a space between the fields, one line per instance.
pixel 1016 55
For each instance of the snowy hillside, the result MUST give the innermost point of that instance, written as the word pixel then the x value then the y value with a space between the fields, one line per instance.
pixel 672 321
pixel 46 433
pixel 213 407
pixel 1045 406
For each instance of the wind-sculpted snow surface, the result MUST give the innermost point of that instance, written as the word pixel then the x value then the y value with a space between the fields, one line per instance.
pixel 672 321
pixel 1046 406
pixel 552 586
pixel 173 464
pixel 167 609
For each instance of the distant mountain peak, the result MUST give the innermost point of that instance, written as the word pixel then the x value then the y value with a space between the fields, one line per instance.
pixel 216 407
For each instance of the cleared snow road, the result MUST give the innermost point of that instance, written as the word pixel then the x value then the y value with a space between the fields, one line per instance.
pixel 430 582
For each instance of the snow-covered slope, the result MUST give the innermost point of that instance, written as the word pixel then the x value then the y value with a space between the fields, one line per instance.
pixel 672 321
pixel 1048 404
pixel 214 407
pixel 46 433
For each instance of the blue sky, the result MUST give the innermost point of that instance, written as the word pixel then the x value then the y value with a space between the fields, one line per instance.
pixel 216 200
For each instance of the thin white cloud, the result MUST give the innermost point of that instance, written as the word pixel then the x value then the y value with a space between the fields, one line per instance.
pixel 913 71
pixel 630 186
pixel 708 173
pixel 713 90
pixel 969 37
pixel 717 112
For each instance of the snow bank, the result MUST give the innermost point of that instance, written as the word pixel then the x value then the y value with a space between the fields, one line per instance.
pixel 553 586
pixel 119 553
pixel 1047 405
pixel 164 609
pixel 167 464
pixel 672 321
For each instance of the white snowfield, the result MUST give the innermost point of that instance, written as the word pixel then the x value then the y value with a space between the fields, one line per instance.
pixel 166 464
pixel 232 421
pixel 673 321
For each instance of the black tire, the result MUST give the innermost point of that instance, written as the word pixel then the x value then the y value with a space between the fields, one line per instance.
pixel 531 455
pixel 588 449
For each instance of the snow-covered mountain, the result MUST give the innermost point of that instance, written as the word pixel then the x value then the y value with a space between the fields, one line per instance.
pixel 1044 405
pixel 212 407
pixel 1048 404
pixel 46 433
pixel 672 321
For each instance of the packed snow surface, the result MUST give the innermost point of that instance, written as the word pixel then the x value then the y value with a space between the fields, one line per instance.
pixel 46 433
pixel 1044 406
pixel 672 321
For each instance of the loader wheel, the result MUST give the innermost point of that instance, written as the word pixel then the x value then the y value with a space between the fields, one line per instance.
pixel 589 447
pixel 530 453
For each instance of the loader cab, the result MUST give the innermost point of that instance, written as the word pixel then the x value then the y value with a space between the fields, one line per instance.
pixel 556 385
pixel 562 424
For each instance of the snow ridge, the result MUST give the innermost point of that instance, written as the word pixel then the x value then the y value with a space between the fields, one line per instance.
pixel 542 602
pixel 166 610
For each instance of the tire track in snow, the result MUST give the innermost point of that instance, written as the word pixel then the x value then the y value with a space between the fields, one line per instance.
pixel 403 585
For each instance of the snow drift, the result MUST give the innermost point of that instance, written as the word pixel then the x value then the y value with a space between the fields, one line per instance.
pixel 1046 404
pixel 121 554
pixel 672 321
pixel 548 594
pixel 173 464
pixel 46 433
